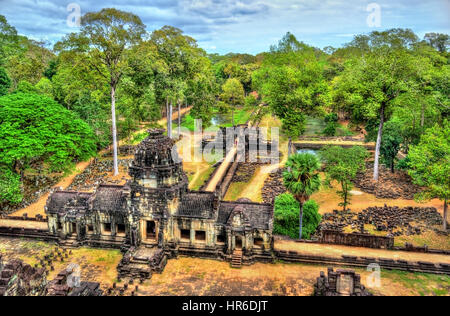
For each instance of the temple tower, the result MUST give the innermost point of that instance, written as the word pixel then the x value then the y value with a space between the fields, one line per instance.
pixel 158 185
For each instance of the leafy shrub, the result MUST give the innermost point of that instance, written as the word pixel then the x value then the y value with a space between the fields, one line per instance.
pixel 330 129
pixel 5 82
pixel 26 87
pixel 10 187
pixel 35 128
pixel 286 217
pixel 251 102
pixel 331 118
pixel 403 164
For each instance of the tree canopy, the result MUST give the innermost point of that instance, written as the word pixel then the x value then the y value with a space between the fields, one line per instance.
pixel 429 163
pixel 342 165
pixel 302 179
pixel 286 217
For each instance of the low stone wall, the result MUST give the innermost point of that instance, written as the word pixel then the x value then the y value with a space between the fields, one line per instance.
pixel 364 262
pixel 16 232
pixel 318 146
pixel 332 138
pixel 356 240
pixel 225 185
pixel 25 218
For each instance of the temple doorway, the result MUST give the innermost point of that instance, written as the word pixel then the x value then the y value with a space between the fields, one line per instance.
pixel 74 228
pixel 150 230
pixel 238 242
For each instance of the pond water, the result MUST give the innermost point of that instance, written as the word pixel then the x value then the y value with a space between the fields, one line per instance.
pixel 307 151
pixel 218 120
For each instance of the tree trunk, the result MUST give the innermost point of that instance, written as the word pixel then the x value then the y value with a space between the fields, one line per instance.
pixel 377 149
pixel 422 117
pixel 179 119
pixel 392 166
pixel 445 215
pixel 301 221
pixel 345 190
pixel 232 115
pixel 114 130
pixel 290 147
pixel 167 116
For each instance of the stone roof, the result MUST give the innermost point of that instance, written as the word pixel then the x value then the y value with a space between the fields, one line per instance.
pixel 259 215
pixel 60 199
pixel 156 150
pixel 109 198
pixel 197 205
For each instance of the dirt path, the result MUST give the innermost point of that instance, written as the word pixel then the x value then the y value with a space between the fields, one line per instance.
pixel 337 251
pixel 23 224
pixel 38 207
pixel 253 190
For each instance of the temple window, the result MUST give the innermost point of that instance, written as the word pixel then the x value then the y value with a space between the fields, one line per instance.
pixel 185 235
pixel 221 239
pixel 107 228
pixel 258 242
pixel 200 236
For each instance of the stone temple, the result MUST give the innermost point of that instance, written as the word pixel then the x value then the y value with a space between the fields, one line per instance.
pixel 156 211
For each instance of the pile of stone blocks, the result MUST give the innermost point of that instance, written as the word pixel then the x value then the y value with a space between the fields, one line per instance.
pixel 20 279
pixel 340 283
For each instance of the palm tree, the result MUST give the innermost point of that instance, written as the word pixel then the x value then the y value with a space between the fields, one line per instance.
pixel 302 179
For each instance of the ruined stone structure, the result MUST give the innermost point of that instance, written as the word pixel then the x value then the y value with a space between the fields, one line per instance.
pixel 356 240
pixel 340 283
pixel 155 210
pixel 20 279
pixel 63 286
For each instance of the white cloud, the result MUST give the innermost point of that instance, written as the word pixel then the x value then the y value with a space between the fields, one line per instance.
pixel 239 25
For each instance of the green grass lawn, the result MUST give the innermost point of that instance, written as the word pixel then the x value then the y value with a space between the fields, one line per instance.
pixel 241 116
pixel 315 127
pixel 200 181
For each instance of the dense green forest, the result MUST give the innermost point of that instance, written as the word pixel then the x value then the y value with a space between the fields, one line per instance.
pixel 56 103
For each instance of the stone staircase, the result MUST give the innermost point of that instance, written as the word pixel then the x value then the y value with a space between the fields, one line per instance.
pixel 70 242
pixel 141 263
pixel 236 259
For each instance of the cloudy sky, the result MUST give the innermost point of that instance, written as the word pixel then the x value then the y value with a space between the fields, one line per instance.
pixel 249 26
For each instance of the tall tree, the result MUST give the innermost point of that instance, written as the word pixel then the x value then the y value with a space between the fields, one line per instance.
pixel 291 81
pixel 438 41
pixel 180 54
pixel 232 95
pixel 430 165
pixel 293 125
pixel 105 37
pixel 302 179
pixel 371 85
